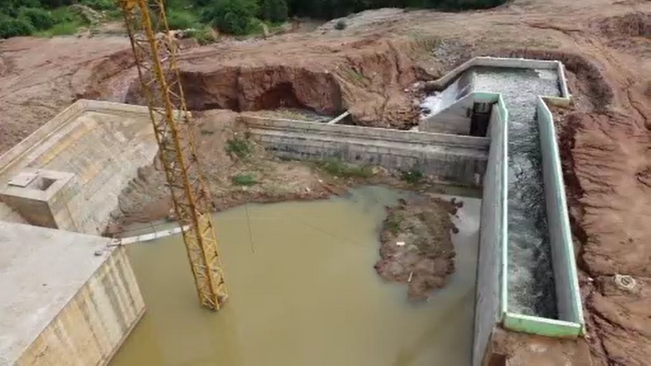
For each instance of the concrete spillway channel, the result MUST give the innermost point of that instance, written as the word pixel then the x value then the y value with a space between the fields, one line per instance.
pixel 489 128
pixel 527 272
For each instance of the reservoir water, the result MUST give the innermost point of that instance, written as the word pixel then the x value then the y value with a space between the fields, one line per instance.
pixel 303 291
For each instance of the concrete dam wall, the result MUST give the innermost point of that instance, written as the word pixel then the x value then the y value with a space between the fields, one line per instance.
pixel 449 158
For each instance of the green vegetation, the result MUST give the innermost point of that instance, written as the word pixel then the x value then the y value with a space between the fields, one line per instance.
pixel 240 148
pixel 392 223
pixel 239 17
pixel 12 27
pixel 42 17
pixel 275 11
pixel 244 180
pixel 232 16
pixel 354 75
pixel 182 19
pixel 39 18
pixel 338 168
pixel 203 35
pixel 413 176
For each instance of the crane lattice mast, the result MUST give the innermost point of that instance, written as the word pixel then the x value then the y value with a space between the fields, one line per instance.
pixel 155 56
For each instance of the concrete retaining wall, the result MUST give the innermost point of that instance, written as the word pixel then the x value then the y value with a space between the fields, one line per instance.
pixel 455 119
pixel 565 273
pixel 93 325
pixel 103 144
pixel 519 63
pixel 450 158
pixel 492 236
pixel 67 298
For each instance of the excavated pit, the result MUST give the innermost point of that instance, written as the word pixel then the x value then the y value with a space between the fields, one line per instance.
pixel 368 82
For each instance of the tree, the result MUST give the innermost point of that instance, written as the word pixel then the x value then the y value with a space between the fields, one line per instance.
pixel 231 16
pixel 11 27
pixel 39 18
pixel 274 10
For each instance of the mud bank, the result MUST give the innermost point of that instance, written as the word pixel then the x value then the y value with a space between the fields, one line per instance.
pixel 416 244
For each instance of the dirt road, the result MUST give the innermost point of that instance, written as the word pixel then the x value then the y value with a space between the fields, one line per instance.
pixel 369 69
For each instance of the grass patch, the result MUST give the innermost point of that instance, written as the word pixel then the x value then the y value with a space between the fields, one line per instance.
pixel 413 176
pixel 392 224
pixel 203 35
pixel 355 75
pixel 341 169
pixel 244 180
pixel 238 147
pixel 61 29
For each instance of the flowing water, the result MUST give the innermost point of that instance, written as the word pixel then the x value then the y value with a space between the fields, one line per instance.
pixel 303 291
pixel 435 103
pixel 531 278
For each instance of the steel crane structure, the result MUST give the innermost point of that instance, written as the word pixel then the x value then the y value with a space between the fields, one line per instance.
pixel 155 55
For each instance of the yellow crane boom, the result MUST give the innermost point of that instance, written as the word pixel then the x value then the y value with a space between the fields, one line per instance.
pixel 155 58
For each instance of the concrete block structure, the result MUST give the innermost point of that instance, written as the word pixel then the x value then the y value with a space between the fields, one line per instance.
pixel 41 197
pixel 67 295
pixel 67 298
pixel 99 145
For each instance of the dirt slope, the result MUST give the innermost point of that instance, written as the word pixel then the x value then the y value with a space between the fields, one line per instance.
pixel 605 137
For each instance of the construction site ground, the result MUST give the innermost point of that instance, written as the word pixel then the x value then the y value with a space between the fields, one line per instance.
pixel 372 68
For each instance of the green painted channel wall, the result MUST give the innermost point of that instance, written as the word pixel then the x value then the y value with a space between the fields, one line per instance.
pixel 492 280
pixel 488 302
pixel 570 322
pixel 491 307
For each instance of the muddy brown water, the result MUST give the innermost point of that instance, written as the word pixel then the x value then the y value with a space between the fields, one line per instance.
pixel 303 291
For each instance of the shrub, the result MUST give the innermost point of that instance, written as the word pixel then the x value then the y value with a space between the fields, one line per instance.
pixel 12 27
pixel 392 223
pixel 238 147
pixel 66 15
pixel 203 35
pixel 274 10
pixel 413 176
pixel 55 3
pixel 244 180
pixel 341 24
pixel 231 16
pixel 100 4
pixel 339 168
pixel 39 18
pixel 181 19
